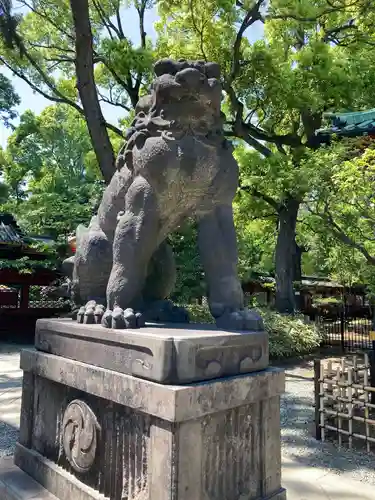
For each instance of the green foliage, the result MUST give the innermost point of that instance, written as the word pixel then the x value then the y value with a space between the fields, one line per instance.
pixel 53 181
pixel 313 58
pixel 288 335
pixel 190 281
pixel 199 313
pixel 39 47
pixel 341 209
pixel 8 100
pixel 26 265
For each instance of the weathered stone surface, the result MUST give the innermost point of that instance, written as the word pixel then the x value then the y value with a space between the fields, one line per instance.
pixel 166 354
pixel 168 402
pixel 175 164
pixel 204 441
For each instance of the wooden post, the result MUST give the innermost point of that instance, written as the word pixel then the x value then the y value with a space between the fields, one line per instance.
pixel 318 430
pixel 25 291
pixel 372 355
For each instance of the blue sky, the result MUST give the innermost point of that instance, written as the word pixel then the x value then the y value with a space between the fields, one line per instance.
pixel 35 102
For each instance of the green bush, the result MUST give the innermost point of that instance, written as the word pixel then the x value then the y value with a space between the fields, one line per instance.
pixel 199 314
pixel 288 335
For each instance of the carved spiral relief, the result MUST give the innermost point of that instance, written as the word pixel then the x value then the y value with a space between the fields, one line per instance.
pixel 79 435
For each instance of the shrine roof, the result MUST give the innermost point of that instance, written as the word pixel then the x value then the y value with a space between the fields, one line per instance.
pixel 349 124
pixel 15 243
pixel 10 233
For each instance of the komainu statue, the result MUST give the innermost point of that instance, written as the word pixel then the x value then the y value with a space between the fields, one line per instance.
pixel 175 164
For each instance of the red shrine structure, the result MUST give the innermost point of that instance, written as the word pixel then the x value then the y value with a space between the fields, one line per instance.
pixel 24 296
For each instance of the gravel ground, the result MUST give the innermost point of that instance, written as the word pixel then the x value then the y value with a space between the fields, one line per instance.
pixel 298 430
pixel 8 438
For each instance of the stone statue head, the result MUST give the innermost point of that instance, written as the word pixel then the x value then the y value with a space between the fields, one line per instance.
pixel 187 93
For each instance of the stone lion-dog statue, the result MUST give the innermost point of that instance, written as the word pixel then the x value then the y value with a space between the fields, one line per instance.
pixel 175 164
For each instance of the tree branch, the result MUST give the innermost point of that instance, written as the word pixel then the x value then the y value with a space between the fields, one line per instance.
pixel 50 46
pixel 261 148
pixel 245 130
pixel 200 31
pixel 268 199
pixel 113 103
pixel 46 18
pixel 119 23
pixel 141 13
pixel 325 12
pixel 106 21
pixel 341 235
pixel 331 34
pixel 87 89
pixel 52 98
pixel 250 18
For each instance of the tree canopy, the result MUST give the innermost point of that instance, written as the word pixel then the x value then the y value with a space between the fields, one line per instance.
pixel 52 175
pixel 315 56
pixel 8 101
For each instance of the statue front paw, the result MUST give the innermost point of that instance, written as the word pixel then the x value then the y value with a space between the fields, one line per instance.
pixel 240 320
pixel 120 319
pixel 91 313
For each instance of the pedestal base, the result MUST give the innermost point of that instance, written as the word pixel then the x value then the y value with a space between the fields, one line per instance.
pixel 15 484
pixel 88 431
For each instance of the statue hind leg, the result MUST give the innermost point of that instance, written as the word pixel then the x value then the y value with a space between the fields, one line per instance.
pixel 218 250
pixel 160 283
pixel 92 264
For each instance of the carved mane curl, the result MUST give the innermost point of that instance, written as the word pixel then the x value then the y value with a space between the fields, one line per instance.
pixel 150 120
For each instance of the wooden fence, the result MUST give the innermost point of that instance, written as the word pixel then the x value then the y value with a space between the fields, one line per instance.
pixel 345 401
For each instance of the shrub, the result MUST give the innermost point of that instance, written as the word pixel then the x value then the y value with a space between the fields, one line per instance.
pixel 288 335
pixel 199 313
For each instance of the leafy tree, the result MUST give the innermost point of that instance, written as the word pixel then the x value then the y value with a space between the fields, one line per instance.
pixel 53 180
pixel 8 101
pixel 41 49
pixel 315 56
pixel 343 206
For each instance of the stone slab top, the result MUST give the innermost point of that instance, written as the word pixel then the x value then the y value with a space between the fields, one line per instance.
pixel 168 354
pixel 175 403
pixel 165 331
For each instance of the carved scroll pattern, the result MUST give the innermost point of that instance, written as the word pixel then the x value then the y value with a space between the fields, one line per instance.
pixel 79 435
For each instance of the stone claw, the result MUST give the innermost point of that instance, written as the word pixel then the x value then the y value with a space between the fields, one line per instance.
pixel 118 319
pixel 240 320
pixel 99 313
pixel 91 313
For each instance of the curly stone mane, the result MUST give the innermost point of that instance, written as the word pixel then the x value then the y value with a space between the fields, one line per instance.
pixel 176 106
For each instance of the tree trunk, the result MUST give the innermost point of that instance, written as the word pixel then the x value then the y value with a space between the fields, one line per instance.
pixel 286 256
pixel 87 89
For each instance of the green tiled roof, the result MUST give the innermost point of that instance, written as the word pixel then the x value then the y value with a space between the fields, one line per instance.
pixel 349 124
pixel 10 233
pixel 9 236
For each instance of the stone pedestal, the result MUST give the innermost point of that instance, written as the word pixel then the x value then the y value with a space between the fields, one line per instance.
pixel 169 354
pixel 88 432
